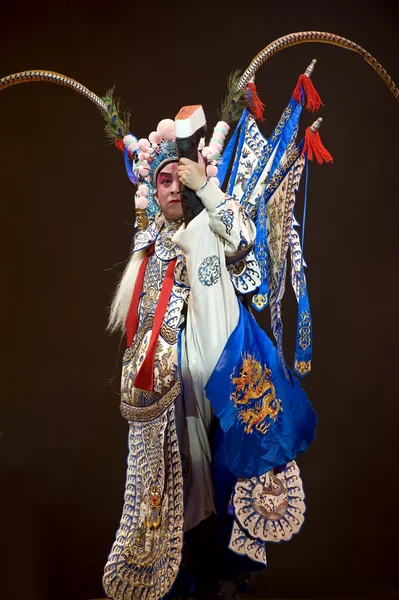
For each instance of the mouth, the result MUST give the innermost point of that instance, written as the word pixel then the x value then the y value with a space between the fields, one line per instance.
pixel 175 201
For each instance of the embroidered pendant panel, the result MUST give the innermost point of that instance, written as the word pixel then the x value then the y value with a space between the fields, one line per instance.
pixel 280 218
pixel 275 297
pixel 291 153
pixel 270 508
pixel 244 545
pixel 298 279
pixel 145 557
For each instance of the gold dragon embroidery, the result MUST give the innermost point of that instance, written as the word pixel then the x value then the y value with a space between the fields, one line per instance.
pixel 253 383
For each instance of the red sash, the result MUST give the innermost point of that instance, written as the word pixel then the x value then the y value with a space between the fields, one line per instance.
pixel 145 376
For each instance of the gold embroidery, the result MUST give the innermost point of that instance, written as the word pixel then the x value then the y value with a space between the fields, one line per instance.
pixel 169 334
pixel 283 120
pixel 303 367
pixel 304 330
pixel 276 178
pixel 153 520
pixel 260 301
pixel 275 488
pixel 142 219
pixel 254 384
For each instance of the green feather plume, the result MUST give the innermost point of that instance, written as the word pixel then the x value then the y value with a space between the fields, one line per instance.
pixel 234 102
pixel 116 119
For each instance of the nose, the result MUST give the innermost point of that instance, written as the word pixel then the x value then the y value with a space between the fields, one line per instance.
pixel 175 189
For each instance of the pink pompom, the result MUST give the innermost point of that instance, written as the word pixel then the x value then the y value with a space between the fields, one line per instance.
pixel 223 125
pixel 218 136
pixel 142 190
pixel 215 180
pixel 128 139
pixel 142 156
pixel 216 146
pixel 144 171
pixel 167 129
pixel 207 152
pixel 155 137
pixel 211 170
pixel 132 147
pixel 144 144
pixel 141 202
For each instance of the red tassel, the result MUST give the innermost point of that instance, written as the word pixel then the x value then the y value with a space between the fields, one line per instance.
pixel 255 103
pixel 314 148
pixel 120 145
pixel 303 88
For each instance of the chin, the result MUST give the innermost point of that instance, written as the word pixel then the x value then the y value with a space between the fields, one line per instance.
pixel 174 213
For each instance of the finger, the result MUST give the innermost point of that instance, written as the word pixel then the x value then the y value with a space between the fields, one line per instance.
pixel 185 161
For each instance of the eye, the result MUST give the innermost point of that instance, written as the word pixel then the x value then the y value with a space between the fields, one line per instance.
pixel 165 181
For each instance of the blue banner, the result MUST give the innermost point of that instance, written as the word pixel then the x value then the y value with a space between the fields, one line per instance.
pixel 267 418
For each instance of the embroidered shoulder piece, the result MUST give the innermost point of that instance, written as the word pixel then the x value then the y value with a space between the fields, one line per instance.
pixel 146 237
pixel 245 274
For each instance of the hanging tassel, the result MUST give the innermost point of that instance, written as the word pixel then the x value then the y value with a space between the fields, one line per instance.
pixel 313 147
pixel 255 104
pixel 305 88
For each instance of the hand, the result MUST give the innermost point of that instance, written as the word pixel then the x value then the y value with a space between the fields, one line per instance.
pixel 191 174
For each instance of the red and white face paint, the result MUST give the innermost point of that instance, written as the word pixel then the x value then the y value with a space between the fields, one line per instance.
pixel 168 192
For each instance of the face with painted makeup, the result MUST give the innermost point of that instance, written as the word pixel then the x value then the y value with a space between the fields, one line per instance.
pixel 168 192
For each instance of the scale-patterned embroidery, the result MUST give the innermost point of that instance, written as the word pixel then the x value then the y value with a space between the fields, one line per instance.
pixel 271 507
pixel 145 557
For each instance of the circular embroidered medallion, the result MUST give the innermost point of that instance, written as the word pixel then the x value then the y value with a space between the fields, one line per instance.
pixel 209 270
pixel 271 507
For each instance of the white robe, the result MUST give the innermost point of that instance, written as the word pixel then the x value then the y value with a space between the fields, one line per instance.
pixel 212 315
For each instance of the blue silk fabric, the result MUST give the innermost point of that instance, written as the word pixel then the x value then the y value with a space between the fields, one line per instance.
pixel 266 417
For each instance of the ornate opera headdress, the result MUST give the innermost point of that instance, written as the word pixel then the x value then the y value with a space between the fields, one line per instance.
pixel 146 157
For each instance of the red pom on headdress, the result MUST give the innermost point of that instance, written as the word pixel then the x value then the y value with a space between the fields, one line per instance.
pixel 256 105
pixel 305 88
pixel 120 145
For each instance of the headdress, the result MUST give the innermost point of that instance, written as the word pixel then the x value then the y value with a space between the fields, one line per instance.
pixel 146 157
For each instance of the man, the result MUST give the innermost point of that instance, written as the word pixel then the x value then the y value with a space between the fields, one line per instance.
pixel 179 307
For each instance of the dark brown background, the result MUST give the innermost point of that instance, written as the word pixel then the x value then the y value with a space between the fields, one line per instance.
pixel 66 213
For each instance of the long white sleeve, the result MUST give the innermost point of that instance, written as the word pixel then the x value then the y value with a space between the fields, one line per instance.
pixel 228 219
pixel 212 315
